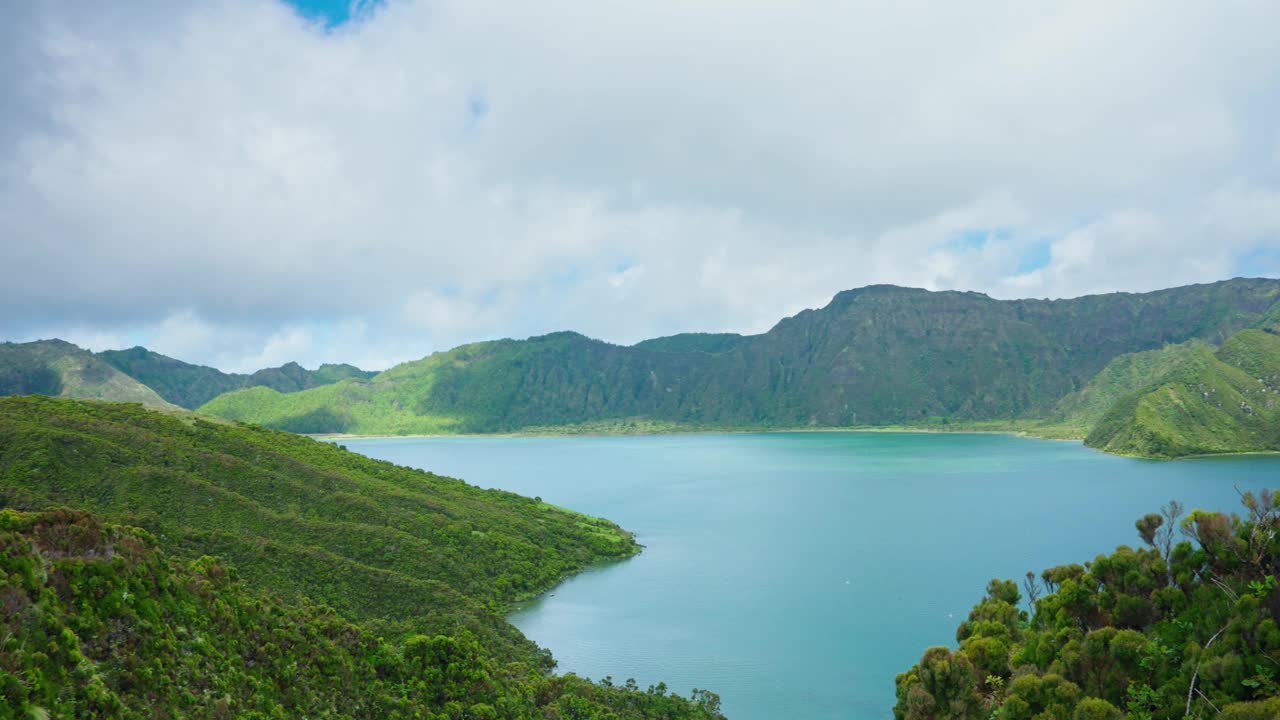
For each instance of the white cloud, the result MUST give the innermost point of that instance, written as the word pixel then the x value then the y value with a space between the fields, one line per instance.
pixel 237 184
pixel 280 348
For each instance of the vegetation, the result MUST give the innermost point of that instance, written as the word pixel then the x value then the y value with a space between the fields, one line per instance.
pixel 1209 402
pixel 191 386
pixel 879 355
pixel 98 622
pixel 58 368
pixel 1182 627
pixel 694 342
pixel 1131 374
pixel 1078 413
pixel 394 548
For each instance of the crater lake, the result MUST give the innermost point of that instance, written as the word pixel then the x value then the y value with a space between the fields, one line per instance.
pixel 796 574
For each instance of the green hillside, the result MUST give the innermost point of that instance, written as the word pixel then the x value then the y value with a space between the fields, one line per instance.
pixel 60 369
pixel 1211 402
pixel 1075 415
pixel 392 547
pixel 191 386
pixel 1176 629
pixel 693 342
pixel 875 356
pixel 99 622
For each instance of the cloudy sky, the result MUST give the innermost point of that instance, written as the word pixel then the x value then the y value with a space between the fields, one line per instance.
pixel 246 182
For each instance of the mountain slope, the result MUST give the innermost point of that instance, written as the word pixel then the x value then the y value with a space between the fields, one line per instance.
pixel 1078 413
pixel 389 546
pixel 877 355
pixel 191 386
pixel 1210 402
pixel 60 369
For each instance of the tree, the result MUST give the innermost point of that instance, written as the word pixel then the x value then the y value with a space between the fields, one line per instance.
pixel 1033 589
pixel 1157 530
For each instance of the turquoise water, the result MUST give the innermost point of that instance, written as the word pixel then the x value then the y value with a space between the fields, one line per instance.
pixel 797 573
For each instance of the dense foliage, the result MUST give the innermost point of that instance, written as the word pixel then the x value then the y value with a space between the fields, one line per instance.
pixel 395 548
pixel 191 386
pixel 58 368
pixel 878 355
pixel 1079 412
pixel 97 622
pixel 1184 626
pixel 1209 401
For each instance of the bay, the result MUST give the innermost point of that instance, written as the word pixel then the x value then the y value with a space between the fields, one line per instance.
pixel 797 573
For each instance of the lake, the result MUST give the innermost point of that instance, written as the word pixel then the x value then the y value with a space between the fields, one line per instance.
pixel 797 573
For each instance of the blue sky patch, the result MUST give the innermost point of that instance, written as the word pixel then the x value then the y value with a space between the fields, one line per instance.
pixel 477 109
pixel 1036 256
pixel 332 12
pixel 977 238
pixel 1262 261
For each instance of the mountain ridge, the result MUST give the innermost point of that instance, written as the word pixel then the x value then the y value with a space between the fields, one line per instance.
pixel 60 369
pixel 877 355
pixel 189 385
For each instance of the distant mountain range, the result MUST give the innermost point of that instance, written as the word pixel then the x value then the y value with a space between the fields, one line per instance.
pixel 875 356
pixel 60 369
pixel 880 355
pixel 191 386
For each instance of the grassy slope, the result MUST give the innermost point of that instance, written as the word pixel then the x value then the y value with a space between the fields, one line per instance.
pixel 1210 403
pixel 876 356
pixel 394 547
pixel 191 386
pixel 58 368
pixel 1074 416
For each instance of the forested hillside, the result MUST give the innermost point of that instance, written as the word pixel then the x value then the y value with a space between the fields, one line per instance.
pixel 877 355
pixel 1209 401
pixel 394 547
pixel 191 386
pixel 1077 414
pixel 99 622
pixel 395 552
pixel 1182 626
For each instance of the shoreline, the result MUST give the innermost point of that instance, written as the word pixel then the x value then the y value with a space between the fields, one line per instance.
pixel 701 431
pixel 1028 433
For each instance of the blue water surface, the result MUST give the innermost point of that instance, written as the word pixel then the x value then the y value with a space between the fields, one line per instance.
pixel 797 573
